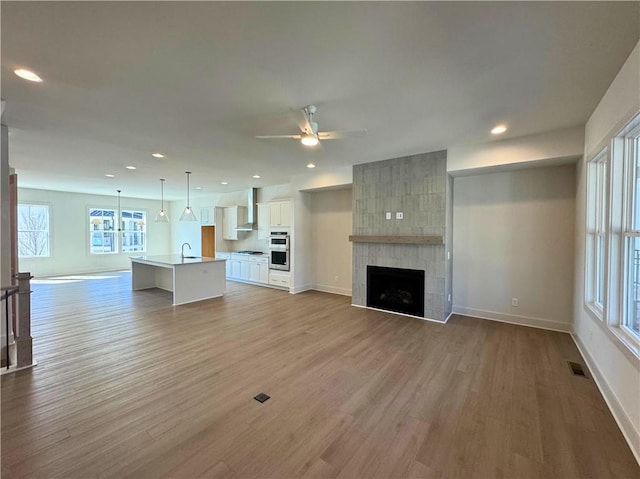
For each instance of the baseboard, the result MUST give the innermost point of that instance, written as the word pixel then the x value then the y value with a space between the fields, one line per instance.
pixel 301 289
pixel 13 368
pixel 625 424
pixel 332 289
pixel 513 319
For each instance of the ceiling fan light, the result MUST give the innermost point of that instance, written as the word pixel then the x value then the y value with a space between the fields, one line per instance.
pixel 309 140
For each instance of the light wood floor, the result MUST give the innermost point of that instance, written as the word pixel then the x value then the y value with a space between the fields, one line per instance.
pixel 128 386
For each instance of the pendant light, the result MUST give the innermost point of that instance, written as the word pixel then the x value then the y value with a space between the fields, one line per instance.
pixel 162 216
pixel 119 214
pixel 188 214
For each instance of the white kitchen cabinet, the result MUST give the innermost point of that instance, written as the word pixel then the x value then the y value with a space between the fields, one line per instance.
pixel 250 268
pixel 227 257
pixel 280 214
pixel 232 217
pixel 280 278
pixel 245 270
pixel 236 269
pixel 263 221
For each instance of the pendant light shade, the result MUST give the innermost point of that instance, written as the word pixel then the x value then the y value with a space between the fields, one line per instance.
pixel 188 214
pixel 162 216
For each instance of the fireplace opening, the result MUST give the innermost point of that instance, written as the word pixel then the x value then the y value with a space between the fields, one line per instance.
pixel 396 289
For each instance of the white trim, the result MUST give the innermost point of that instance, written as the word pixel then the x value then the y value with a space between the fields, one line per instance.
pixel 13 369
pixel 401 314
pixel 625 424
pixel 513 319
pixel 332 289
pixel 301 289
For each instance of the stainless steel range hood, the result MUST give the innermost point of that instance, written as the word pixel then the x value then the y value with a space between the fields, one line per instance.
pixel 252 210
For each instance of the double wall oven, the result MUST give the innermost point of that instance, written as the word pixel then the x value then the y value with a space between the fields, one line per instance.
pixel 279 250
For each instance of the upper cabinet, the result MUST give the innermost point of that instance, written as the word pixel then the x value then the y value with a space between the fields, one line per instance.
pixel 233 216
pixel 280 213
pixel 263 221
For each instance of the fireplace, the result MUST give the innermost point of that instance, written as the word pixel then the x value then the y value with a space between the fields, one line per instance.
pixel 396 289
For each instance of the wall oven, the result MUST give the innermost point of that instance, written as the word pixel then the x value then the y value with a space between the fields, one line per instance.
pixel 279 251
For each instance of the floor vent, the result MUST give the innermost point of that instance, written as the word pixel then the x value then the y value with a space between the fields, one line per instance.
pixel 576 369
pixel 262 397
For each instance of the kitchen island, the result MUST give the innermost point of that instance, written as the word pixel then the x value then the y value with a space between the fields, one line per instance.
pixel 189 278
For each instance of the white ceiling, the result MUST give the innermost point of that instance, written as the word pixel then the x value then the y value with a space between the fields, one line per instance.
pixel 199 80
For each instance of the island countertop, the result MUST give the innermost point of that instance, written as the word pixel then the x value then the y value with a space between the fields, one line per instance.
pixel 173 259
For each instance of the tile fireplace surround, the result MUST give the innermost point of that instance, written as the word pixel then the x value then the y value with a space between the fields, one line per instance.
pixel 419 187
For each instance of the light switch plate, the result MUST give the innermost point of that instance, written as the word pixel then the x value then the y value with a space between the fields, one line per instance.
pixel 387 215
pixel 399 215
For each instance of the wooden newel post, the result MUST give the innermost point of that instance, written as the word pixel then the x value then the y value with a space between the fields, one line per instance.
pixel 24 341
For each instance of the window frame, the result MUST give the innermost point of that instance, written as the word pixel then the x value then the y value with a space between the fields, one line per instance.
pixel 48 230
pixel 142 222
pixel 597 220
pixel 629 140
pixel 114 230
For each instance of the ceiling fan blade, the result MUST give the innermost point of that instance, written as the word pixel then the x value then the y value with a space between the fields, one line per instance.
pixel 337 135
pixel 297 137
pixel 303 119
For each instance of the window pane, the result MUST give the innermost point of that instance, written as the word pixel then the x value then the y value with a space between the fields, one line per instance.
pixel 635 165
pixel 33 231
pixel 102 234
pixel 599 296
pixel 632 310
pixel 134 231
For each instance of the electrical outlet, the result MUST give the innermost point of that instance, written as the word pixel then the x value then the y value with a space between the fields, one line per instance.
pixel 387 215
pixel 336 278
pixel 514 302
pixel 449 297
pixel 399 215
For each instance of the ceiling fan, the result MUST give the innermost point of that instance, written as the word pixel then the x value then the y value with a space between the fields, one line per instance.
pixel 309 134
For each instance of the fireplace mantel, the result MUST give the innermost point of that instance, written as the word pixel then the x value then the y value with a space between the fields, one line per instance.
pixel 399 239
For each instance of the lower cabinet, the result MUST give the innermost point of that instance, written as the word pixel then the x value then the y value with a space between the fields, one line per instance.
pixel 280 278
pixel 254 269
pixel 249 268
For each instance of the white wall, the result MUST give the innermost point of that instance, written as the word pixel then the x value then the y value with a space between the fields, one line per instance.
pixel 69 233
pixel 616 370
pixel 331 225
pixel 554 147
pixel 513 238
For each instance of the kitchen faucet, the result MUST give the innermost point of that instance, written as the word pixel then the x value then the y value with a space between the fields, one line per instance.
pixel 183 245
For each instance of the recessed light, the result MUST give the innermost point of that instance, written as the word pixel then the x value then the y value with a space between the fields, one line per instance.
pixel 157 155
pixel 131 167
pixel 498 130
pixel 311 165
pixel 224 183
pixel 109 175
pixel 256 176
pixel 27 75
pixel 198 187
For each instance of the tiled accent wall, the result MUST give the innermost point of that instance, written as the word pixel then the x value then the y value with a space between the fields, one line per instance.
pixel 420 188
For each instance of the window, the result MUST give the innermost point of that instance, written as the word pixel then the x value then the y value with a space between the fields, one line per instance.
pixel 133 231
pixel 102 233
pixel 596 250
pixel 33 231
pixel 631 255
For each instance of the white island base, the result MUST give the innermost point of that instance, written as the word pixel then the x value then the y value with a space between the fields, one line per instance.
pixel 190 279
